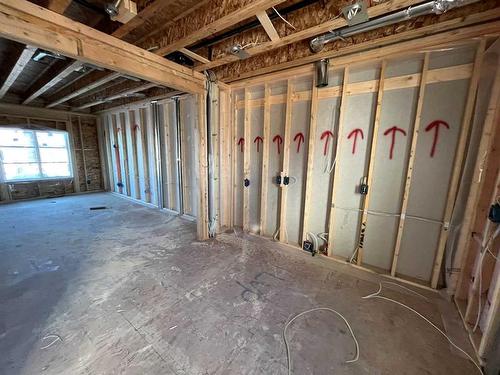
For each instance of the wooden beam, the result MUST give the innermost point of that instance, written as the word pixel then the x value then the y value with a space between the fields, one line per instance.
pixel 121 94
pixel 27 23
pixel 337 23
pixel 457 164
pixel 49 80
pixel 268 26
pixel 443 33
pixel 451 73
pixel 106 77
pixel 194 56
pixel 411 162
pixel 202 176
pixel 371 164
pixel 21 62
pixel 336 173
pixel 188 32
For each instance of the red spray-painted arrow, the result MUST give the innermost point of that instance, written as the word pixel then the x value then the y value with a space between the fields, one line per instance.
pixel 435 125
pixel 326 134
pixel 241 142
pixel 258 140
pixel 299 138
pixel 355 133
pixel 393 130
pixel 278 140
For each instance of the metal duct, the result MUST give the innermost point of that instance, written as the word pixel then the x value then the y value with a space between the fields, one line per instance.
pixel 436 7
pixel 322 73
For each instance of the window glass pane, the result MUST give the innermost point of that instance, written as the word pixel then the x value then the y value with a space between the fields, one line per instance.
pixel 51 139
pixel 16 137
pixel 54 155
pixel 18 155
pixel 21 171
pixel 56 170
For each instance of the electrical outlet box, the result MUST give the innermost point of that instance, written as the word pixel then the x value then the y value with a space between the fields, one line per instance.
pixel 355 13
pixel 126 11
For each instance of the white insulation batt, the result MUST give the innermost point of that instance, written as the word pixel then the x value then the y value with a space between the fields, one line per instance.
pixel 441 120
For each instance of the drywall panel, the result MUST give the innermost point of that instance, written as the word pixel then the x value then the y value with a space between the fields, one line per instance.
pixel 299 135
pixel 389 174
pixel 187 107
pixel 351 161
pixel 440 127
pixel 255 145
pixel 277 132
pixel 238 163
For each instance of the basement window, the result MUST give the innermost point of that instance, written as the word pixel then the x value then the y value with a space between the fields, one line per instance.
pixel 27 155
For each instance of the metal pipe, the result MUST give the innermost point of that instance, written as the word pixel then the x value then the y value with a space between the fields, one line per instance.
pixel 435 7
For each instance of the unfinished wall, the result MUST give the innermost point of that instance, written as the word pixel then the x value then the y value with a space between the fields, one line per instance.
pixel 152 153
pixel 421 112
pixel 87 175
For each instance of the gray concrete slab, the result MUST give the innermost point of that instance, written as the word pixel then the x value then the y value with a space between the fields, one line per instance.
pixel 129 290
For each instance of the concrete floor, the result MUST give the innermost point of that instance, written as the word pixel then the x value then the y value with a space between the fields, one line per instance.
pixel 130 291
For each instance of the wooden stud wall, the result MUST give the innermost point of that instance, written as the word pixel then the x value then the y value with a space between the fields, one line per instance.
pixel 421 80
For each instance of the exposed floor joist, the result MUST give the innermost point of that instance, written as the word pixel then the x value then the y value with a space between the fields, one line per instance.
pixel 87 86
pixel 27 23
pixel 374 11
pixel 266 23
pixel 21 62
pixel 194 56
pixel 424 37
pixel 51 79
pixel 121 94
pixel 177 38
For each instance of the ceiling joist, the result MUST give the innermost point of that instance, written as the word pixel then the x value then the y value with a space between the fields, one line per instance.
pixel 85 85
pixel 373 11
pixel 52 78
pixel 268 26
pixel 194 56
pixel 27 23
pixel 188 30
pixel 119 95
pixel 21 62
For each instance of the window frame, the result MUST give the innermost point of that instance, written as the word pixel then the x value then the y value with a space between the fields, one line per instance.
pixel 38 162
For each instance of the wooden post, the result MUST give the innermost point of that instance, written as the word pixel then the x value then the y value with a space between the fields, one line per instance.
pixel 83 153
pixel 233 154
pixel 202 177
pixel 133 137
pixel 310 158
pixel 286 161
pixel 411 162
pixel 76 177
pixel 246 161
pixel 488 135
pixel 457 165
pixel 371 165
pixel 265 158
pixel 336 174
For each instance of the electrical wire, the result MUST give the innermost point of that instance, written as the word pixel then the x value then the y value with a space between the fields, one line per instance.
pixel 479 273
pixel 287 347
pixel 56 339
pixel 284 20
pixel 377 295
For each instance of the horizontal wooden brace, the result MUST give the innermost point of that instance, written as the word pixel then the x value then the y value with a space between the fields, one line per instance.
pixel 453 73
